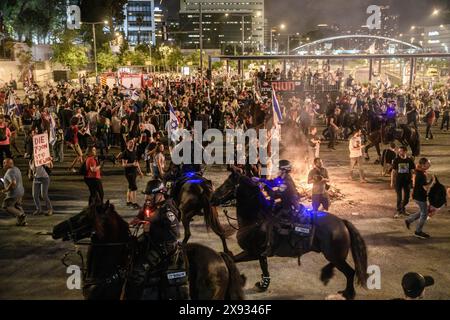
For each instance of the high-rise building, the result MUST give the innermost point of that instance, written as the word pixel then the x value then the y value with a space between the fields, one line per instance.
pixel 437 38
pixel 139 23
pixel 222 22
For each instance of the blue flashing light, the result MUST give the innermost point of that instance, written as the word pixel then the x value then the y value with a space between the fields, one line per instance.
pixel 189 174
pixel 195 181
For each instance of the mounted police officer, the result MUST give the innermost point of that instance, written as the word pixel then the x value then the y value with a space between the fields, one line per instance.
pixel 286 199
pixel 159 271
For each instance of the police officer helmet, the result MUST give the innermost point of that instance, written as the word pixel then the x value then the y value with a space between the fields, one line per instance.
pixel 285 165
pixel 154 187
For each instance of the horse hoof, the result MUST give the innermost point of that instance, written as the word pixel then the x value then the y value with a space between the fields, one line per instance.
pixel 260 288
pixel 346 295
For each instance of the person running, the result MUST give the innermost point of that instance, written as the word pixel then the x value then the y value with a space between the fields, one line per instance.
pixel 132 169
pixel 401 178
pixel 420 194
pixel 13 188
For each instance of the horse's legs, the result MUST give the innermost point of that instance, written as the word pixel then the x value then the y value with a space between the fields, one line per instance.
pixel 225 247
pixel 344 267
pixel 327 273
pixel 263 285
pixel 187 229
pixel 244 257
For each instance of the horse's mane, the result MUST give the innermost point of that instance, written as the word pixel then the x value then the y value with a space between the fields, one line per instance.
pixel 251 201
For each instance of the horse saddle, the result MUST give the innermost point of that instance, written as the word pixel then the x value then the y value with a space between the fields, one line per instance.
pixel 298 223
pixel 168 280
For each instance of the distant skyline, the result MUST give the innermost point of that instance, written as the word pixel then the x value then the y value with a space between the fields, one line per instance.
pixel 305 15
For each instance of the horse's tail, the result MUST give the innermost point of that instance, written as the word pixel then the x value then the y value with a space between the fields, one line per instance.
pixel 211 217
pixel 359 253
pixel 236 280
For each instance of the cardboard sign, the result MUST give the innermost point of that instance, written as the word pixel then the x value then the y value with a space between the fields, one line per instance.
pixel 41 149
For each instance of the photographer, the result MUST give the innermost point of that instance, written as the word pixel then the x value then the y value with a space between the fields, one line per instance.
pixel 318 177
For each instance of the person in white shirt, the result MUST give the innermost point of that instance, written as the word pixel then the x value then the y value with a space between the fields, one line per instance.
pixel 355 147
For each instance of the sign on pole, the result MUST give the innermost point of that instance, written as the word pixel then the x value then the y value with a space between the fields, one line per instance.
pixel 41 149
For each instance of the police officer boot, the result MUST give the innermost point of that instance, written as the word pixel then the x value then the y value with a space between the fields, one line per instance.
pixel 263 285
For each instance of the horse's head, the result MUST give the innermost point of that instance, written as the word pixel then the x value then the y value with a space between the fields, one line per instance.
pixel 92 220
pixel 227 191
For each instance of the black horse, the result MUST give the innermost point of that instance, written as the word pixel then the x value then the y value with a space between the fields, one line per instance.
pixel 405 134
pixel 192 194
pixel 212 275
pixel 333 236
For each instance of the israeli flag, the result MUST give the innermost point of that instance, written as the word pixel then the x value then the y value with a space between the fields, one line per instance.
pixel 173 123
pixel 277 117
pixel 135 95
pixel 52 139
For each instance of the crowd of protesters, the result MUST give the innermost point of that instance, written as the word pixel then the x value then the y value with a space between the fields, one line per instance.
pixel 127 126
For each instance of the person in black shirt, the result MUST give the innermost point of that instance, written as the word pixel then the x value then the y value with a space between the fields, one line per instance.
pixel 420 194
pixel 401 178
pixel 387 158
pixel 131 164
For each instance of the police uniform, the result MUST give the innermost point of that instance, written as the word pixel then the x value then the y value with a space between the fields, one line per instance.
pixel 159 271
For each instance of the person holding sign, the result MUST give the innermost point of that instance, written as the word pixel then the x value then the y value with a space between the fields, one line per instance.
pixel 41 182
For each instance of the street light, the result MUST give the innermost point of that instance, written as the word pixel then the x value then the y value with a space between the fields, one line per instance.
pixel 436 12
pixel 104 22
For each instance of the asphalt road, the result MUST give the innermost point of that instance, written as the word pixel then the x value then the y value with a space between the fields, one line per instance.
pixel 30 266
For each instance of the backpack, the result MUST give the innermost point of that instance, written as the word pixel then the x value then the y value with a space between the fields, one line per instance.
pixel 3 136
pixel 437 196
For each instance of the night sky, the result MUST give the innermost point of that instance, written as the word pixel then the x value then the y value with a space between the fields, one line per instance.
pixel 304 15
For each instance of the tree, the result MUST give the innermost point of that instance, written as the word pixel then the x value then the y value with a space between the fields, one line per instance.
pixel 33 19
pixel 69 53
pixel 107 60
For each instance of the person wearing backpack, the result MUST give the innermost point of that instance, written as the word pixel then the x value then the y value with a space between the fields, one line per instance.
pixel 91 169
pixel 5 135
pixel 41 183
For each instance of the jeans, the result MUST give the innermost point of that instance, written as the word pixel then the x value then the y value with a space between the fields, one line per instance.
pixel 403 191
pixel 421 215
pixel 320 199
pixel 58 151
pixel 40 186
pixel 357 162
pixel 428 132
pixel 14 206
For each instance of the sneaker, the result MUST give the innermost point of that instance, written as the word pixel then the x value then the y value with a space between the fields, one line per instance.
pixel 21 221
pixel 408 224
pixel 129 204
pixel 37 213
pixel 136 206
pixel 49 213
pixel 421 235
pixel 73 170
pixel 397 215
